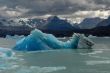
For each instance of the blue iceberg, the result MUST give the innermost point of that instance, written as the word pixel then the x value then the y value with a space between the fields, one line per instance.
pixel 38 40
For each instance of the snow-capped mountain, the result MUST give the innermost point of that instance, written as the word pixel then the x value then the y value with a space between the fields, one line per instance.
pixel 34 22
pixel 105 22
pixel 37 23
pixel 12 27
pixel 58 27
pixel 89 23
pixel 102 29
pixel 11 22
pixel 55 23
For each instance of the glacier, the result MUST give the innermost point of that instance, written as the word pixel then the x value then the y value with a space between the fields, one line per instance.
pixel 37 40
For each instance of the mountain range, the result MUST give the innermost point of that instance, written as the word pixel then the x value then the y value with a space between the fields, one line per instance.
pixel 89 23
pixel 59 27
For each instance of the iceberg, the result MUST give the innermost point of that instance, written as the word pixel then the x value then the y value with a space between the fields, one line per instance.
pixel 38 40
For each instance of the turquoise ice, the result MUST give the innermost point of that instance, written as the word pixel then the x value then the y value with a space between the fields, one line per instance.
pixel 38 40
pixel 4 52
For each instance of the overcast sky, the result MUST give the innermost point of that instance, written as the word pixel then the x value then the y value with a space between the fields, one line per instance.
pixel 25 8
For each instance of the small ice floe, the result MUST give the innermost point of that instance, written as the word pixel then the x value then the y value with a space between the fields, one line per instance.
pixel 85 42
pixel 5 52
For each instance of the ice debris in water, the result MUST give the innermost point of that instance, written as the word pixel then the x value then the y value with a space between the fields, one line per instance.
pixel 38 40
pixel 37 69
pixel 5 52
pixel 85 42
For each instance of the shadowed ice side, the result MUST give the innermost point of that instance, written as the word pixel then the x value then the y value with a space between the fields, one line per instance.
pixel 38 40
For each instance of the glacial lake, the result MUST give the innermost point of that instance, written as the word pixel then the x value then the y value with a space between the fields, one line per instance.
pixel 96 60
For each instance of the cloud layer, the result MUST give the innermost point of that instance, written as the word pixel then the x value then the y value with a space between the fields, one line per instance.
pixel 13 8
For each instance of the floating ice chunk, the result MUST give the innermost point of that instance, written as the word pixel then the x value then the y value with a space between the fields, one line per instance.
pixel 85 42
pixel 38 40
pixel 4 52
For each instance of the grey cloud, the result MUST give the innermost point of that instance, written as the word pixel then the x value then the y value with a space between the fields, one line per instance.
pixel 41 7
